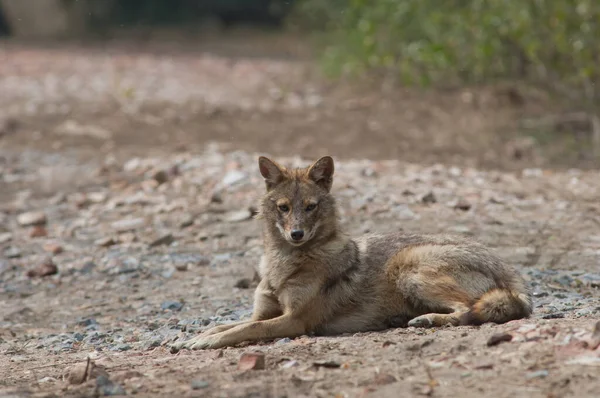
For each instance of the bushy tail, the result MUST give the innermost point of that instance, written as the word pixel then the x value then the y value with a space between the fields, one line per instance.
pixel 498 306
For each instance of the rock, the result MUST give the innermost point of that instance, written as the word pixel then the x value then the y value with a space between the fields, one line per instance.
pixel 540 374
pixel 105 242
pixel 499 338
pixel 326 364
pixel 429 198
pixel 233 177
pixel 595 340
pixel 171 306
pixel 252 361
pixel 46 268
pixel 165 239
pixel 384 378
pixel 237 216
pixel 74 128
pixel 199 384
pixel 31 218
pixel 554 315
pixel 38 231
pixel 12 252
pixel 243 283
pixel 5 237
pixel 186 221
pixel 161 176
pixel 107 387
pixel 53 248
pixel 82 372
pixel 128 224
pixel 462 204
pixel 284 340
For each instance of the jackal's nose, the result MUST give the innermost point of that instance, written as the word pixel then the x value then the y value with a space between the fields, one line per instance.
pixel 297 234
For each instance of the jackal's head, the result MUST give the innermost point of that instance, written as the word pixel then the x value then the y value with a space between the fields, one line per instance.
pixel 298 204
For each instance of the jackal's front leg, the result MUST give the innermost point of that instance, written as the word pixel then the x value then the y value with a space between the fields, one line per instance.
pixel 282 326
pixel 266 307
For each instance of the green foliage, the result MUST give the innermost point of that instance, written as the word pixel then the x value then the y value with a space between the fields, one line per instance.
pixel 443 41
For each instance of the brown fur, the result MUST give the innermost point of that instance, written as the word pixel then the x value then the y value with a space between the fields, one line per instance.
pixel 328 283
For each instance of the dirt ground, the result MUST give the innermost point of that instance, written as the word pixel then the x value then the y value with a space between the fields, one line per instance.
pixel 128 181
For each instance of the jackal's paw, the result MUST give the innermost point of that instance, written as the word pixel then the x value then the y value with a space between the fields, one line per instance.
pixel 197 343
pixel 422 321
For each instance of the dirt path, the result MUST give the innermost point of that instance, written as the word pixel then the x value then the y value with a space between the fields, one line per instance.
pixel 149 227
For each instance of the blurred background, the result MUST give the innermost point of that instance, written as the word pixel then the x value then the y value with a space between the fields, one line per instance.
pixel 483 83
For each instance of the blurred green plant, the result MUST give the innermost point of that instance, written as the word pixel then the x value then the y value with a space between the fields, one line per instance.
pixel 435 42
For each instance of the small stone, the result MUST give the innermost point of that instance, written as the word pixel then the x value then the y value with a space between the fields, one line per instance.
pixel 161 177
pixel 105 242
pixel 595 340
pixel 80 373
pixel 12 252
pixel 97 197
pixel 187 221
pixel 499 338
pixel 540 374
pixel 171 306
pixel 31 218
pixel 237 216
pixel 38 231
pixel 233 177
pixel 128 224
pixel 5 237
pixel 284 340
pixel 46 268
pixel 326 364
pixel 53 248
pixel 429 198
pixel 199 384
pixel 107 387
pixel 462 204
pixel 181 267
pixel 243 283
pixel 384 378
pixel 554 315
pixel 252 361
pixel 289 364
pixel 166 240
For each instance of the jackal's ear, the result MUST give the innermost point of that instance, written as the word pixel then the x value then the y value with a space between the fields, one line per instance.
pixel 271 171
pixel 321 172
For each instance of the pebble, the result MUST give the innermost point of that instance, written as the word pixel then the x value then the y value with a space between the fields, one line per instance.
pixel 243 283
pixel 237 216
pixel 252 361
pixel 105 242
pixel 462 204
pixel 12 252
pixel 31 218
pixel 106 387
pixel 165 240
pixel 233 177
pixel 128 224
pixel 429 198
pixel 540 374
pixel 53 248
pixel 171 305
pixel 5 237
pixel 38 231
pixel 199 384
pixel 499 338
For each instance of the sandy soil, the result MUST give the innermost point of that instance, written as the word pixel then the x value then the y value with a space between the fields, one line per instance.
pixel 123 226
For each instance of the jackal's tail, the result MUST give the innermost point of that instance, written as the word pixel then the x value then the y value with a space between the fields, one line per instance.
pixel 498 306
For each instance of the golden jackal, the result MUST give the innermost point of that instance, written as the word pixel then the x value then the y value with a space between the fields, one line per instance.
pixel 315 279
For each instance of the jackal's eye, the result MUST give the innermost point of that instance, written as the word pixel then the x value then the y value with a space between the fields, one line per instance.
pixel 311 207
pixel 283 208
